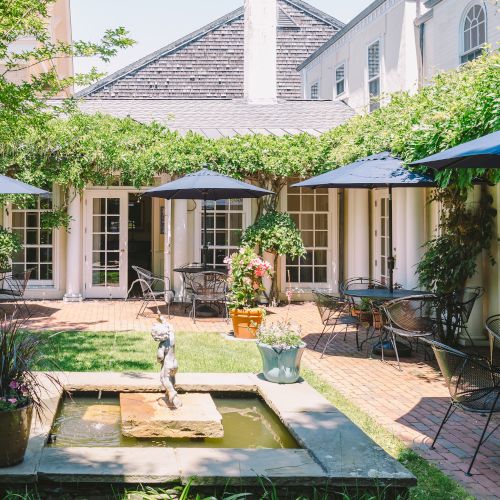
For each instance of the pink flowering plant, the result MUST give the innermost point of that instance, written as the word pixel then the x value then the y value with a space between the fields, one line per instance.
pixel 246 270
pixel 19 351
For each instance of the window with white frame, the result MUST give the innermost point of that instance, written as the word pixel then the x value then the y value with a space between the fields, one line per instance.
pixel 37 252
pixel 224 227
pixel 310 211
pixel 384 238
pixel 314 91
pixel 374 75
pixel 340 79
pixel 473 33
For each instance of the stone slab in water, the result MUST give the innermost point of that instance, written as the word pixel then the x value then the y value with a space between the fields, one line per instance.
pixel 146 415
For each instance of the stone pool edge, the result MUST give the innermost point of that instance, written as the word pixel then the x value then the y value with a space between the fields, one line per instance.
pixel 335 451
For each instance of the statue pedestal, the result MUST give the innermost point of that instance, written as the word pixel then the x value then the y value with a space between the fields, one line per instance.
pixel 147 415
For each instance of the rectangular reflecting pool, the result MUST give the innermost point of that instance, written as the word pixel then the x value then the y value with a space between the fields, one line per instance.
pixel 87 420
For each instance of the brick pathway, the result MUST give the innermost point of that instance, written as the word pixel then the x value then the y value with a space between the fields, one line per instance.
pixel 410 403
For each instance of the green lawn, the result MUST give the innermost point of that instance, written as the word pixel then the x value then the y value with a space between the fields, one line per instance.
pixel 210 352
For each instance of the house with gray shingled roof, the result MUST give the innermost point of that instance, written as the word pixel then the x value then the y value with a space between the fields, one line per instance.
pixel 209 63
pixel 235 76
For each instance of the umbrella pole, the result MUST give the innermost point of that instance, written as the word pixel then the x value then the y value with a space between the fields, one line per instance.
pixel 205 245
pixel 390 258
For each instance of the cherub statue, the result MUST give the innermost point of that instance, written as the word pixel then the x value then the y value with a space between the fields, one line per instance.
pixel 164 334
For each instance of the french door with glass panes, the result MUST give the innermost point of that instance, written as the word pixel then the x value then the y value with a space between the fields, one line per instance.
pixel 106 232
pixel 380 234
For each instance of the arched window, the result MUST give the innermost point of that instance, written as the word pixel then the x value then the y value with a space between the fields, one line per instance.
pixel 473 33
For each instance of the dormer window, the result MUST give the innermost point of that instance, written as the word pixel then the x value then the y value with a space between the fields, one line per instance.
pixel 340 79
pixel 473 33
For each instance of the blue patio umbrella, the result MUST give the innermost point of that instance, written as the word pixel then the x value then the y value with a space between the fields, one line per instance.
pixel 8 185
pixel 380 170
pixel 479 153
pixel 206 185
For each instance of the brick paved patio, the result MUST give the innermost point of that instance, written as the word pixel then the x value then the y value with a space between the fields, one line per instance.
pixel 410 403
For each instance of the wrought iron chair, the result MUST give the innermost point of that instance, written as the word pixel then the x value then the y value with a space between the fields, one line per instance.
pixel 153 289
pixel 474 386
pixel 411 318
pixel 208 287
pixel 462 301
pixel 358 283
pixel 14 287
pixel 493 328
pixel 334 311
pixel 376 328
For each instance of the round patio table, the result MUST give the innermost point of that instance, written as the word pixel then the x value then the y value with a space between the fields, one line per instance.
pixel 383 294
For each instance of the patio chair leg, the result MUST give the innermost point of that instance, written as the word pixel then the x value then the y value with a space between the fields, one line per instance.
pixel 319 338
pixel 482 440
pixel 357 338
pixel 332 337
pixel 445 419
pixel 393 342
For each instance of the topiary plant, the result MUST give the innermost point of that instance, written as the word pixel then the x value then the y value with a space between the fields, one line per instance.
pixel 276 233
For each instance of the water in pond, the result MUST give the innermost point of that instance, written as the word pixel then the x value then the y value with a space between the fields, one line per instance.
pixel 86 420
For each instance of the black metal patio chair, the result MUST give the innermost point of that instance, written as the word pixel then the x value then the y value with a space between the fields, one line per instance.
pixel 14 288
pixel 460 304
pixel 210 288
pixel 410 318
pixel 474 386
pixel 334 311
pixel 153 289
pixel 492 325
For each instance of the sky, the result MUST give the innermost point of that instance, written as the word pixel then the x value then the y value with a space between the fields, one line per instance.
pixel 155 23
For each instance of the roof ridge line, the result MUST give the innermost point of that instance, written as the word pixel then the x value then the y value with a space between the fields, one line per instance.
pixel 317 13
pixel 175 45
pixel 343 31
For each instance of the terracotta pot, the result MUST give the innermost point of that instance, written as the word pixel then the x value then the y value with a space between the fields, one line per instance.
pixel 246 322
pixel 15 425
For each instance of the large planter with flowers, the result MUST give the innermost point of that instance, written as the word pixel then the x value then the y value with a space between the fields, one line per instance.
pixel 20 390
pixel 281 348
pixel 245 272
pixel 15 425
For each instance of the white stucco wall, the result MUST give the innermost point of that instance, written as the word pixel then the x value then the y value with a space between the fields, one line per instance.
pixel 392 24
pixel 442 36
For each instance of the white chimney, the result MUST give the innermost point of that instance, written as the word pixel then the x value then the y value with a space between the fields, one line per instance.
pixel 260 51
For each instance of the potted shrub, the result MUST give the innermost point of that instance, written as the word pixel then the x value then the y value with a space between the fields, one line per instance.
pixel 275 233
pixel 20 390
pixel 246 270
pixel 281 347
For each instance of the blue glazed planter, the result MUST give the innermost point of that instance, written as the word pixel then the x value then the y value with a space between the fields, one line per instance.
pixel 281 366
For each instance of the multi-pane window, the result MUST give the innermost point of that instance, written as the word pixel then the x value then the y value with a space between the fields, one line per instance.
pixel 374 75
pixel 106 242
pixel 384 239
pixel 38 247
pixel 340 79
pixel 314 91
pixel 224 228
pixel 309 209
pixel 474 33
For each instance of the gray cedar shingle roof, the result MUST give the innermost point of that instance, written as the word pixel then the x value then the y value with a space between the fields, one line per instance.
pixel 208 63
pixel 227 118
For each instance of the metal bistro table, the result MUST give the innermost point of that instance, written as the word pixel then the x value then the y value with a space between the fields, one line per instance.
pixel 385 295
pixel 195 268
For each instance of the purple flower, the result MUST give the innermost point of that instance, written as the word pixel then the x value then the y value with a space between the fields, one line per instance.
pixel 14 385
pixel 12 400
